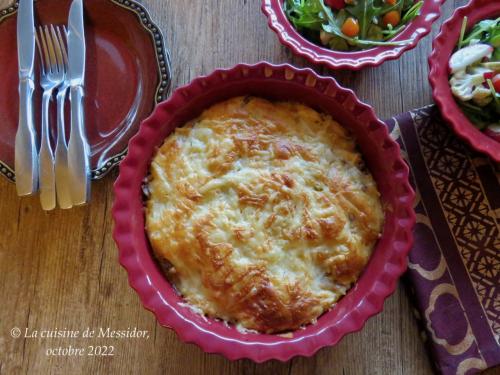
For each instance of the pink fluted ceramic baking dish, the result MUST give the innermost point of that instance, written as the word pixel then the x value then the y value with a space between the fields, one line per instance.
pixel 382 155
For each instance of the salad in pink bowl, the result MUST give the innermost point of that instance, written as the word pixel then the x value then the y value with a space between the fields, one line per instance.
pixel 465 74
pixel 351 34
pixel 383 160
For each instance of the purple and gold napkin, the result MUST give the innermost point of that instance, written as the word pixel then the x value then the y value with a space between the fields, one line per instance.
pixel 454 267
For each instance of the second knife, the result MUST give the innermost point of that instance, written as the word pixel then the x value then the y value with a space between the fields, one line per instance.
pixel 78 148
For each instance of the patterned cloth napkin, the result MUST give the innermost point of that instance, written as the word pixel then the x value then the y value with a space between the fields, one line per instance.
pixel 454 269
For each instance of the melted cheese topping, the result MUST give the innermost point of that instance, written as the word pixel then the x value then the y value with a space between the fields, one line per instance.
pixel 263 211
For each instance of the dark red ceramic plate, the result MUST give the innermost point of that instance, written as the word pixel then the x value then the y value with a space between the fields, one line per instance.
pixel 128 73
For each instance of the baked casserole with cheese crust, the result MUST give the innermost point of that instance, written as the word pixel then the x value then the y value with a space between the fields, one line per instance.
pixel 263 211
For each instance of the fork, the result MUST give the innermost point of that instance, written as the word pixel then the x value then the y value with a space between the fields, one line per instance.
pixel 51 77
pixel 63 191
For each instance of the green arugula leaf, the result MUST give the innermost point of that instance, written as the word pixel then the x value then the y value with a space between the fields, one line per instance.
pixel 391 33
pixel 462 32
pixel 407 4
pixel 496 54
pixel 304 14
pixel 482 30
pixel 494 38
pixel 412 12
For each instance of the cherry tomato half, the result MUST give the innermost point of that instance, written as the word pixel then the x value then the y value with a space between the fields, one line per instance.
pixel 488 75
pixel 496 82
pixel 391 18
pixel 350 27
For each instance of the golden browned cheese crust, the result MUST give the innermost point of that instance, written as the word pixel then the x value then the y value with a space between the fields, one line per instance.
pixel 263 211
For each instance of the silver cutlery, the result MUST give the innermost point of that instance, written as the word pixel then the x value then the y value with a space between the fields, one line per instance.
pixel 63 191
pixel 62 176
pixel 26 157
pixel 78 148
pixel 51 77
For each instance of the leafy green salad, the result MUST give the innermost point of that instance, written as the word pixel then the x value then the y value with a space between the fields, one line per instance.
pixel 475 75
pixel 346 25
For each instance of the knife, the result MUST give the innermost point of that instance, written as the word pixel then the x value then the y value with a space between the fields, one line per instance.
pixel 26 156
pixel 78 148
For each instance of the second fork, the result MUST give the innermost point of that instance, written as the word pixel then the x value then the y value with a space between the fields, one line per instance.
pixel 53 172
pixel 63 190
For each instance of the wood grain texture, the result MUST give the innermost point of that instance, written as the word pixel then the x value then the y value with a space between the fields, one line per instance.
pixel 60 269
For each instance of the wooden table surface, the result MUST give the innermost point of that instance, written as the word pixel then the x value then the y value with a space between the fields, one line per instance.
pixel 60 270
